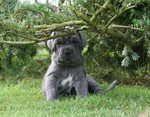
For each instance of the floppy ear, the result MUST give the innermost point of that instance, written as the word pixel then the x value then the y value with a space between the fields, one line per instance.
pixel 83 40
pixel 50 43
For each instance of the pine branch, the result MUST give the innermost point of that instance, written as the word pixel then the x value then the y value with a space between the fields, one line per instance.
pixel 60 25
pixel 39 30
pixel 12 27
pixel 40 40
pixel 46 29
pixel 97 27
pixel 43 30
pixel 101 9
pixel 122 10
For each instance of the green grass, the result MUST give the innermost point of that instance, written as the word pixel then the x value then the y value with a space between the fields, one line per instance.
pixel 25 99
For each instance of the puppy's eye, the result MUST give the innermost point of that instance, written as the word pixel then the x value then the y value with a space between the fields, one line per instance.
pixel 59 42
pixel 75 40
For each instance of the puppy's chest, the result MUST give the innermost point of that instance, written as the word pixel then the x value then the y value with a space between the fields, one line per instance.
pixel 67 82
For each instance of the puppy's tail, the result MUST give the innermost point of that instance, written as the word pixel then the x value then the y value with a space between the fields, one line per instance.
pixel 111 86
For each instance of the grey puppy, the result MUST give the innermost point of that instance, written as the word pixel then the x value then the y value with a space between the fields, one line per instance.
pixel 66 74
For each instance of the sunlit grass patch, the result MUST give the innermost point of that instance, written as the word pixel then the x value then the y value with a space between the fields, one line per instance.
pixel 25 99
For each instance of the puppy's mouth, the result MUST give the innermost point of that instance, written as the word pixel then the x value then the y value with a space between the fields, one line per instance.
pixel 67 62
pixel 66 59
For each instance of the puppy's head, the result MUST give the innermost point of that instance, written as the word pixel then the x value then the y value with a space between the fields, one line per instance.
pixel 67 50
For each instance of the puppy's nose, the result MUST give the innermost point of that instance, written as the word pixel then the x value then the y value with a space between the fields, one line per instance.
pixel 68 51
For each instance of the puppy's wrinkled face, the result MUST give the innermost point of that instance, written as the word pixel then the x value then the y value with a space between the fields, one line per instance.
pixel 67 50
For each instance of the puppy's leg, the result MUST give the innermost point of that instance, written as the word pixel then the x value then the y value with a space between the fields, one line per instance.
pixel 49 88
pixel 93 86
pixel 81 87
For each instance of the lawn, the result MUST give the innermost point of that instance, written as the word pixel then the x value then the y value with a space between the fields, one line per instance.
pixel 25 99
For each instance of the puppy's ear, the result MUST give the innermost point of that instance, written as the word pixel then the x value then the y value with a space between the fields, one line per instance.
pixel 83 40
pixel 50 43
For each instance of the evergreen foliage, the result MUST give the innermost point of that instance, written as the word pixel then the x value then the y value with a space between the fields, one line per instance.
pixel 118 32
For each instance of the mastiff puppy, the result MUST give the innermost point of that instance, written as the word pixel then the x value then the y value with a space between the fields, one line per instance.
pixel 66 74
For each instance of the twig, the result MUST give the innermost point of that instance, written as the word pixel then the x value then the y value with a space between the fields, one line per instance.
pixel 126 27
pixel 101 9
pixel 119 14
pixel 46 29
pixel 60 25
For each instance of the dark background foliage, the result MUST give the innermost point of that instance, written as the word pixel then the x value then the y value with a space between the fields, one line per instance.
pixel 106 57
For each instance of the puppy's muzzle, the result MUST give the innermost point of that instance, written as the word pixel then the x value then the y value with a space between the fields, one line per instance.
pixel 67 51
